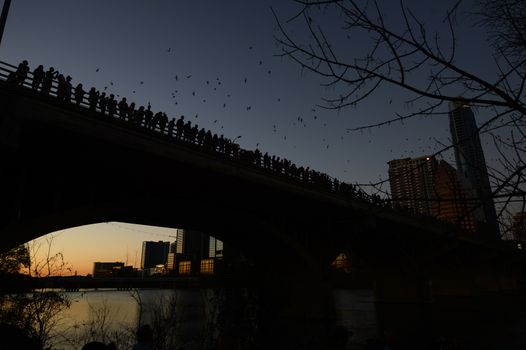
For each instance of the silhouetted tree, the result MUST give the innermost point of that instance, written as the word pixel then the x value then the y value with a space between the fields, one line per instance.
pixel 13 261
pixel 36 311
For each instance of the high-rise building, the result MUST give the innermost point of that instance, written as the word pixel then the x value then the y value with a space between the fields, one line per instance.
pixel 216 247
pixel 411 183
pixel 471 166
pixel 427 186
pixel 171 260
pixel 106 269
pixel 453 200
pixel 191 248
pixel 519 226
pixel 154 253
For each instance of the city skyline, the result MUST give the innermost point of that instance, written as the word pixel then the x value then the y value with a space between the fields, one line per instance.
pixel 81 251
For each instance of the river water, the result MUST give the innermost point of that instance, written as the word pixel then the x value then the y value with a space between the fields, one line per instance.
pixel 115 314
pixel 484 323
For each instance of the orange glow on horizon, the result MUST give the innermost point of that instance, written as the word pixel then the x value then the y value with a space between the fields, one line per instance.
pixel 76 249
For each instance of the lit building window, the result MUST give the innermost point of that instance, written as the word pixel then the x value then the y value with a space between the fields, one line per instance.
pixel 207 267
pixel 185 267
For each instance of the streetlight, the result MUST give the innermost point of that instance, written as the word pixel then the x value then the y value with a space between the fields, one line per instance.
pixel 3 17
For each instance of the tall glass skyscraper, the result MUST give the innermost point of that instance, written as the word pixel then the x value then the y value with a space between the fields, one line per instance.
pixel 471 165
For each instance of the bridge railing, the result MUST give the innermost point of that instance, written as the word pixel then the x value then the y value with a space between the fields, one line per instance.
pixel 193 138
pixel 6 69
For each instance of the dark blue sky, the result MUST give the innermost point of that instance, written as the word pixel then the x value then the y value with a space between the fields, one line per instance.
pixel 140 47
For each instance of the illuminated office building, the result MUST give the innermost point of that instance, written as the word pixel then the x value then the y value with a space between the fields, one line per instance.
pixel 411 181
pixel 427 186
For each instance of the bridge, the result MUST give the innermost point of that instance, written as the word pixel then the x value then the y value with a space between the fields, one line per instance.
pixel 66 164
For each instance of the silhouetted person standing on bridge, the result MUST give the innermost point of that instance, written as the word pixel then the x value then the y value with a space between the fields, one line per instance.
pixel 131 112
pixel 21 73
pixel 171 126
pixel 112 105
pixel 123 108
pixel 79 94
pixel 48 80
pixel 38 77
pixel 103 103
pixel 93 98
pixel 148 116
pixel 156 118
pixel 186 131
pixel 68 89
pixel 207 142
pixel 221 143
pixel 201 136
pixel 163 119
pixel 193 133
pixel 61 88
pixel 180 126
pixel 139 116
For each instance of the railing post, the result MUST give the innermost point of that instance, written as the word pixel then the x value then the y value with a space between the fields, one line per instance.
pixel 3 18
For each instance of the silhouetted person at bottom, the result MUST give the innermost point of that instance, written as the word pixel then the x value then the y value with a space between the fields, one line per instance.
pixel 338 338
pixel 389 341
pixel 144 338
pixel 38 77
pixel 95 345
pixel 15 338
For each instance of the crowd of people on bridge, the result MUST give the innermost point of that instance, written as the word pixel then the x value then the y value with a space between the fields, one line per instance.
pixel 51 82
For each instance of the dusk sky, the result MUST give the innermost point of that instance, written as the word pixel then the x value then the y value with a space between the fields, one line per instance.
pixel 216 63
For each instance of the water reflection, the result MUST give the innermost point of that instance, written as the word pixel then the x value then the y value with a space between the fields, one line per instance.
pixel 471 322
